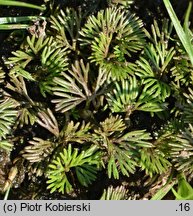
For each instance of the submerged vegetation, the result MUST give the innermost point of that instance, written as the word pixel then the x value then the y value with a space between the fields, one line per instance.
pixel 96 102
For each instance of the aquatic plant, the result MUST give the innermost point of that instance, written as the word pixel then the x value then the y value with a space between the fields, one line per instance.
pixel 90 94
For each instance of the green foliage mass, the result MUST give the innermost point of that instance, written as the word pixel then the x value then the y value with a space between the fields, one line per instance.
pixel 86 95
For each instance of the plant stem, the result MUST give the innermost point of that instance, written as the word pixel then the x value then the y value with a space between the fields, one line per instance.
pixel 7 192
pixel 6 20
pixel 21 4
pixel 13 26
